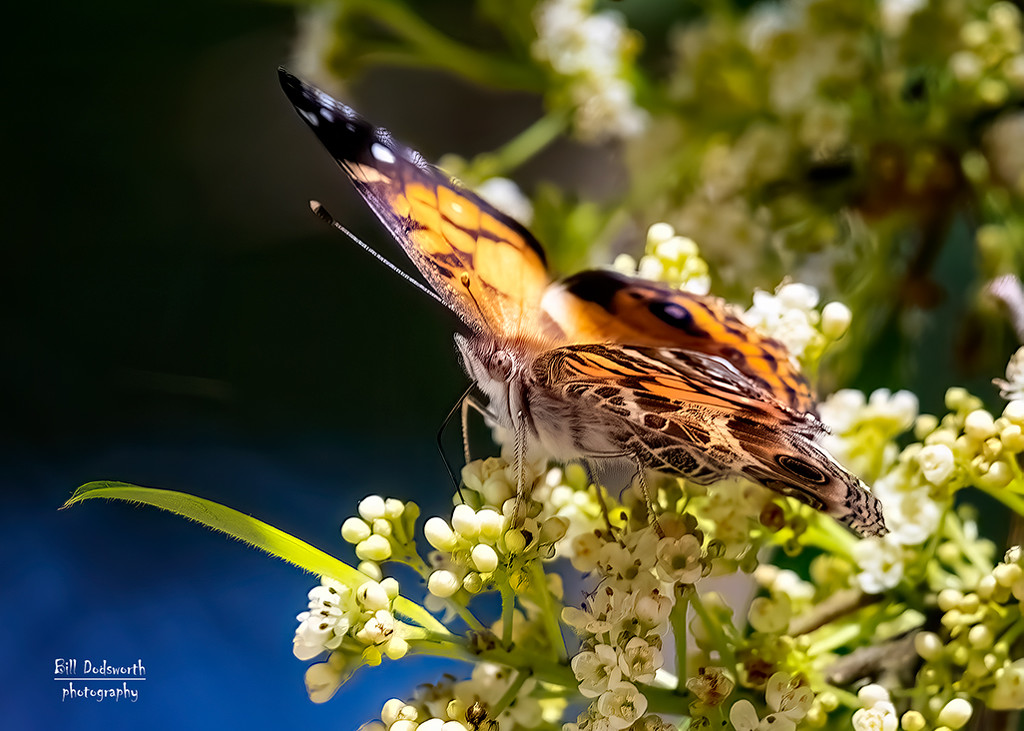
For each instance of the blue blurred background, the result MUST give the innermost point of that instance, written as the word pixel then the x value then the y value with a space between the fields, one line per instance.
pixel 175 317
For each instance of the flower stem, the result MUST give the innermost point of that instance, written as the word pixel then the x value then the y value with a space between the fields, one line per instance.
pixel 510 695
pixel 1008 498
pixel 718 638
pixel 467 616
pixel 519 149
pixel 508 606
pixel 547 609
pixel 678 620
pixel 433 48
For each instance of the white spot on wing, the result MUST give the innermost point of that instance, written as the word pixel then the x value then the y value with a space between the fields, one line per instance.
pixel 311 118
pixel 382 153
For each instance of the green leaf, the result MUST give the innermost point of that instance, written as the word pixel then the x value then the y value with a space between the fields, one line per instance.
pixel 238 525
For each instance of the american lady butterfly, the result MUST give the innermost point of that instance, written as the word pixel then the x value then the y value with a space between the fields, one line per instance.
pixel 599 366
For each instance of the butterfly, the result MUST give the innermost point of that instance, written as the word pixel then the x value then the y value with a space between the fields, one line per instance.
pixel 600 366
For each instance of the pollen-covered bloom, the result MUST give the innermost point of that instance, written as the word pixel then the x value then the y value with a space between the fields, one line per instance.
pixel 669 258
pixel 788 701
pixel 880 561
pixel 1012 388
pixel 590 53
pixel 864 429
pixel 878 713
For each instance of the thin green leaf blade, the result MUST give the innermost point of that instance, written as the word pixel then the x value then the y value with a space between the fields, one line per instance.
pixel 226 520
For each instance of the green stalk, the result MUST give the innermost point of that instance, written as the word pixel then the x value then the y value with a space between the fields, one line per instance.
pixel 1010 499
pixel 510 694
pixel 519 149
pixel 678 620
pixel 547 610
pixel 438 50
pixel 718 638
pixel 508 607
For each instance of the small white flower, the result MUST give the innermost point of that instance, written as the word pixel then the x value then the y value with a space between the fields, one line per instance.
pixel 440 535
pixel 679 559
pixel 596 670
pixel 770 615
pixel 937 463
pixel 506 196
pixel 639 660
pixel 913 513
pixel 622 704
pixel 324 678
pixel 375 548
pixel 484 558
pixel 1008 692
pixel 443 583
pixel 881 563
pixel 354 530
pixel 373 596
pixel 465 522
pixel 835 320
pixel 880 717
pixel 1013 387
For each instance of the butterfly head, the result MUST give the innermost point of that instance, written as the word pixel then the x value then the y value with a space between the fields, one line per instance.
pixel 495 367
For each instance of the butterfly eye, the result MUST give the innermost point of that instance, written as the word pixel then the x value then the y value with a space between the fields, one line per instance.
pixel 501 363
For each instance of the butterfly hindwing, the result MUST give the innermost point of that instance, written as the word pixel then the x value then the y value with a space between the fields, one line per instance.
pixel 488 268
pixel 697 416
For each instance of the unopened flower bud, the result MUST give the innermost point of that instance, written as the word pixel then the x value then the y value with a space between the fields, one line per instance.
pixel 371 508
pixel 354 530
pixel 443 583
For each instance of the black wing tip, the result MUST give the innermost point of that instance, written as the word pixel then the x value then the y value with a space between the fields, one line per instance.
pixel 345 134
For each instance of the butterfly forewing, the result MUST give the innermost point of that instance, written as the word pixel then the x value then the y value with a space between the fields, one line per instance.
pixel 487 267
pixel 606 307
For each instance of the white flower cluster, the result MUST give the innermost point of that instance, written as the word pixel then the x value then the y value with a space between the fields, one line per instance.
pixel 788 702
pixel 591 52
pixel 864 429
pixel 669 258
pixel 791 317
pixel 466 705
pixel 338 615
pixel 623 625
pixel 475 544
pixel 979 632
pixel 878 713
pixel 382 532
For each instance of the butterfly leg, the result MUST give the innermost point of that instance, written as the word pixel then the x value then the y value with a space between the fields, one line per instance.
pixel 598 493
pixel 641 479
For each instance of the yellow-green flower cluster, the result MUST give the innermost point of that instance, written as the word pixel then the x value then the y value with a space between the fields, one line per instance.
pixel 669 258
pixel 978 649
pixel 384 531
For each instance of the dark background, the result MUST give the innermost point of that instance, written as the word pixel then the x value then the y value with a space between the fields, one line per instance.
pixel 174 316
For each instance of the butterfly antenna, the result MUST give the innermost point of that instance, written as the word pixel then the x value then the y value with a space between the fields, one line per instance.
pixel 440 433
pixel 466 282
pixel 324 215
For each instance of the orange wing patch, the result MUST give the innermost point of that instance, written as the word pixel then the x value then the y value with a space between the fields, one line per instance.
pixel 606 307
